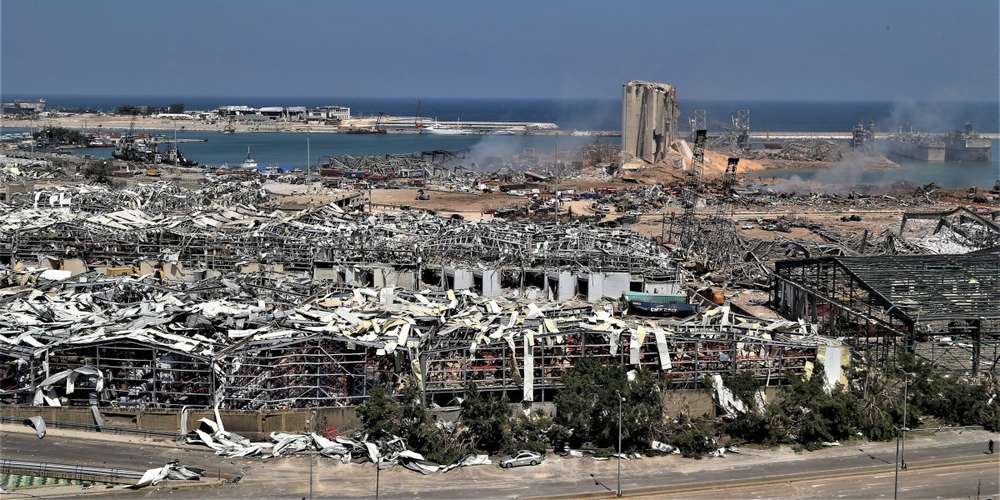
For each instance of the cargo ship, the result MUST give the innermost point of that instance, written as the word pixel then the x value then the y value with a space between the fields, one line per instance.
pixel 967 145
pixel 914 146
pixel 960 145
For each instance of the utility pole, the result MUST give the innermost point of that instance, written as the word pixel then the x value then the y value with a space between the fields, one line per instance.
pixel 310 476
pixel 308 156
pixel 376 476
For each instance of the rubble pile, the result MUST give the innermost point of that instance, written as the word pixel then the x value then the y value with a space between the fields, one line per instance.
pixel 157 198
pixel 819 150
pixel 357 448
pixel 223 238
pixel 252 342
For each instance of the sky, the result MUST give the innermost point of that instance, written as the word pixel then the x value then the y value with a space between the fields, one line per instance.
pixel 846 50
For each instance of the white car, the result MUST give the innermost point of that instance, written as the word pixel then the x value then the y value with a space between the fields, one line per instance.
pixel 523 457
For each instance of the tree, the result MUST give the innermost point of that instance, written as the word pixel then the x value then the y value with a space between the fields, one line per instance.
pixel 693 437
pixel 588 405
pixel 383 417
pixel 487 418
pixel 380 414
pixel 175 108
pixel 60 135
pixel 530 431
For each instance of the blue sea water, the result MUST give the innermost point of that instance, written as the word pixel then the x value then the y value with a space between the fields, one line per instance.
pixel 288 150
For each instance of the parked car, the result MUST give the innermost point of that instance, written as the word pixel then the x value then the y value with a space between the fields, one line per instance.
pixel 523 457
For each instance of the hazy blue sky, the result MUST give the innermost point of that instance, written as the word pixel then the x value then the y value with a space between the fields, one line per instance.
pixel 761 49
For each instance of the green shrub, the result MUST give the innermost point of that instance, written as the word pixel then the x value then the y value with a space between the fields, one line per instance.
pixel 530 432
pixel 488 420
pixel 694 438
pixel 380 414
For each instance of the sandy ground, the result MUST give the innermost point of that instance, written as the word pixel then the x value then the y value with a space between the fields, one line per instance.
pixel 875 220
pixel 446 201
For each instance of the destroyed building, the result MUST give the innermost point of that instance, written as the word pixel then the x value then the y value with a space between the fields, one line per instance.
pixel 946 308
pixel 163 298
pixel 649 121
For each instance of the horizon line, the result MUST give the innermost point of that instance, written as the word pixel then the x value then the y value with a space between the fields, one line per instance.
pixel 23 95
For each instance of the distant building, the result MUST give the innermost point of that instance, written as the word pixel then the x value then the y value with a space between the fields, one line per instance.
pixel 236 111
pixel 285 113
pixel 19 108
pixel 329 113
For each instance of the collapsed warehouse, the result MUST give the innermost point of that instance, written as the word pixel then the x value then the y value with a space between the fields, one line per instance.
pixel 943 307
pixel 145 299
pixel 157 296
pixel 130 341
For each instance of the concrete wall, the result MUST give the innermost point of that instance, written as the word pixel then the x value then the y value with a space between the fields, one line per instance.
pixel 564 283
pixel 326 273
pixel 595 286
pixel 386 276
pixel 463 278
pixel 691 402
pixel 255 425
pixel 661 288
pixel 615 284
pixel 491 283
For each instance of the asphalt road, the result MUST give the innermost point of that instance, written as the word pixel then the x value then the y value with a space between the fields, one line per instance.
pixel 62 450
pixel 962 481
pixel 857 462
pixel 835 473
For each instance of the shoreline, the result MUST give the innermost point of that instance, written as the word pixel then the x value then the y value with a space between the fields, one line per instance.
pixel 96 123
pixel 120 123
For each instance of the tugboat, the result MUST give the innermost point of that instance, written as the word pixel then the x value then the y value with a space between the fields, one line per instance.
pixel 130 148
pixel 249 163
pixel 176 157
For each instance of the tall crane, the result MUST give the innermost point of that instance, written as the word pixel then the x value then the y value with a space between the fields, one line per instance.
pixel 689 225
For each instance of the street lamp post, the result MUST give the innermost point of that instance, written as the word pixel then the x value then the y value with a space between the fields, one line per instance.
pixel 906 403
pixel 901 443
pixel 619 492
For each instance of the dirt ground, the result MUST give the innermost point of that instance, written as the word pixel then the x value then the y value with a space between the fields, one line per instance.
pixel 875 221
pixel 446 201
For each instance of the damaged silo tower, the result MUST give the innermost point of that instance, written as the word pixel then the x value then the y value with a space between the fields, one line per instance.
pixel 649 120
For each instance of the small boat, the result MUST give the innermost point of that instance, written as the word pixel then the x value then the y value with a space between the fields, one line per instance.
pixel 438 129
pixel 101 142
pixel 508 131
pixel 249 163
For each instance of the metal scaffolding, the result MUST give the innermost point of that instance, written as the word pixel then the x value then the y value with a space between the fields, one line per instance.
pixel 879 302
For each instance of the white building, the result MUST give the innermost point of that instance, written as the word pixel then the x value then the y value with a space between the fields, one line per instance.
pixel 329 113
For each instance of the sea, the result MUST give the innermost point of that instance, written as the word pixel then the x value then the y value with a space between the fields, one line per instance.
pixel 289 150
